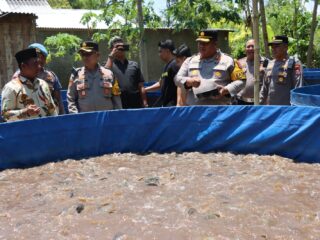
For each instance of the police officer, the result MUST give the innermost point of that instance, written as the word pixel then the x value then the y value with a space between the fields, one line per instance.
pixel 166 83
pixel 26 96
pixel 246 95
pixel 210 76
pixel 181 54
pixel 127 74
pixel 91 86
pixel 283 73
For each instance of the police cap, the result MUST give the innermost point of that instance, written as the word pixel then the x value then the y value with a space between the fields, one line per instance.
pixel 39 48
pixel 25 54
pixel 89 46
pixel 207 35
pixel 182 51
pixel 279 40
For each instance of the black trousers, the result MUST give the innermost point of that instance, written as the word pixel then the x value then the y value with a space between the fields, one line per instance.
pixel 240 102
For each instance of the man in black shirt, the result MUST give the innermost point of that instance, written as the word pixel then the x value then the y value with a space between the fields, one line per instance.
pixel 127 74
pixel 166 82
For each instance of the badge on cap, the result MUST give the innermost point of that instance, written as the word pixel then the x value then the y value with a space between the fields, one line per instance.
pixel 217 74
pixel 84 44
pixel 202 34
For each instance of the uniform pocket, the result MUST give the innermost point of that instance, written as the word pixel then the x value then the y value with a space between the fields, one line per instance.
pixel 82 88
pixel 194 70
pixel 282 78
pixel 106 84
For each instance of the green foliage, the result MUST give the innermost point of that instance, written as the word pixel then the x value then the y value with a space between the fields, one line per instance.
pixel 59 3
pixel 63 44
pixel 289 17
pixel 87 4
pixel 199 14
pixel 121 17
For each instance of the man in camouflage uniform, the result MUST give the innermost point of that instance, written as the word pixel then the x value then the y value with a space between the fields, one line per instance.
pixel 91 88
pixel 283 74
pixel 211 76
pixel 246 95
pixel 26 96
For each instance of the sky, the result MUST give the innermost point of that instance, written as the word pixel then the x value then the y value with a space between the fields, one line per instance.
pixel 160 5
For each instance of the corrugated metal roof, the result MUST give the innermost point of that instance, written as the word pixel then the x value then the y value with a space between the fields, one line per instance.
pixel 24 6
pixel 67 19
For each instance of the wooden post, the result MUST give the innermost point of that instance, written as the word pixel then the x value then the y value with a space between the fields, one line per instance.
pixel 314 24
pixel 142 50
pixel 256 51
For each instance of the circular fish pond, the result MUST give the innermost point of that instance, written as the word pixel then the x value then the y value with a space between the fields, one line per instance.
pixel 162 196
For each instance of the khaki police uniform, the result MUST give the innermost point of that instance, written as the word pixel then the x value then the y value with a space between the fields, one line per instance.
pixel 20 92
pixel 247 93
pixel 279 79
pixel 220 69
pixel 93 91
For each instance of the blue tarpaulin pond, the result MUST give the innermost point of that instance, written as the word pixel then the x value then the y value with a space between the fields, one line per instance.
pixel 291 132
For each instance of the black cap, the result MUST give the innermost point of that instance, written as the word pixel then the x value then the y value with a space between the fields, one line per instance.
pixel 279 40
pixel 182 51
pixel 167 44
pixel 89 46
pixel 25 54
pixel 207 35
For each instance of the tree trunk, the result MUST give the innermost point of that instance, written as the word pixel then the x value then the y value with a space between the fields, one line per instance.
pixel 255 24
pixel 248 16
pixel 295 23
pixel 264 29
pixel 314 24
pixel 142 50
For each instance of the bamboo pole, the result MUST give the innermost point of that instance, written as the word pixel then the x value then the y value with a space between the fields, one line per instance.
pixel 142 52
pixel 255 20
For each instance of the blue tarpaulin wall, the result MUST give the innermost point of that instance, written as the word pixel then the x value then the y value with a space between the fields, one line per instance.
pixel 306 96
pixel 292 132
pixel 311 76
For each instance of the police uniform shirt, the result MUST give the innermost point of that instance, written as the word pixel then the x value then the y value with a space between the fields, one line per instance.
pixel 279 79
pixel 247 93
pixel 20 92
pixel 168 87
pixel 129 77
pixel 86 93
pixel 220 68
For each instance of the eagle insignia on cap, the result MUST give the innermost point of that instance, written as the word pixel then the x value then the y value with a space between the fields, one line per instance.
pixel 202 34
pixel 84 44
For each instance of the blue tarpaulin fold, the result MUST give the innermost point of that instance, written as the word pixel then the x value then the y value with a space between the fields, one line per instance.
pixel 291 132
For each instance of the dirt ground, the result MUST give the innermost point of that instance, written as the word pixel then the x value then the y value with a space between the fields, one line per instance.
pixel 162 196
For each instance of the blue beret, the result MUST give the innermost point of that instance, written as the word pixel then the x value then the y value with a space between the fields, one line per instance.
pixel 40 48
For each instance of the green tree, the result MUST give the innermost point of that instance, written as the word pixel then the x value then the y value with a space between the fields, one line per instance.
pixel 200 14
pixel 63 44
pixel 295 22
pixel 59 3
